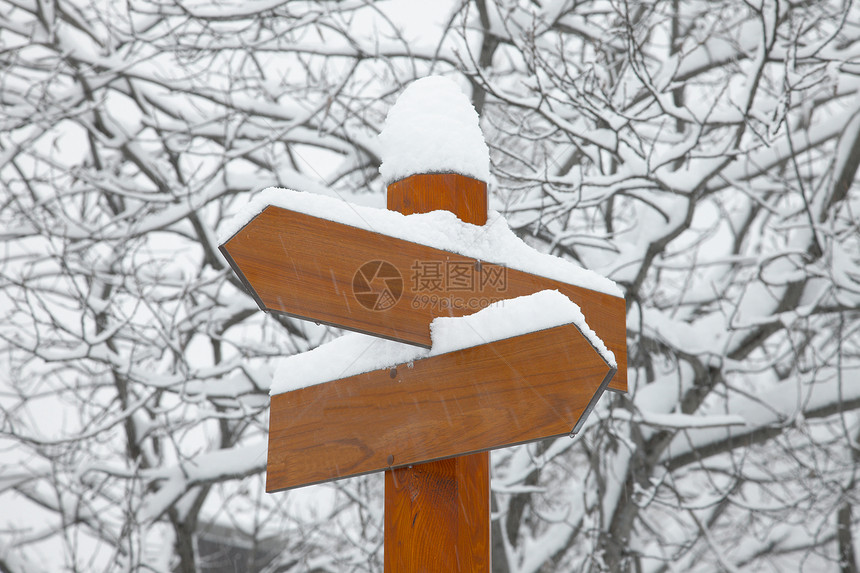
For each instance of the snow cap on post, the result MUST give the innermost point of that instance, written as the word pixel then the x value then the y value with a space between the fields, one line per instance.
pixel 433 128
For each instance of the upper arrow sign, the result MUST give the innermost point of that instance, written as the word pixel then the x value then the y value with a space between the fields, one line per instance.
pixel 354 278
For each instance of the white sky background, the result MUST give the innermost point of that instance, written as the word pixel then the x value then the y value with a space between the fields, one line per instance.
pixel 709 237
pixel 420 21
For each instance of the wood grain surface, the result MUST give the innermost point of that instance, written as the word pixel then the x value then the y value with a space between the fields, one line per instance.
pixel 455 534
pixel 507 392
pixel 463 196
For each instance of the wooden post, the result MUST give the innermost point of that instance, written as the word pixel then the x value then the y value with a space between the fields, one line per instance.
pixel 437 514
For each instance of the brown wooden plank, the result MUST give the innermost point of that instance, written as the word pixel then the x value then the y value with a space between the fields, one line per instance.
pixel 450 496
pixel 494 395
pixel 463 196
pixel 455 534
pixel 305 266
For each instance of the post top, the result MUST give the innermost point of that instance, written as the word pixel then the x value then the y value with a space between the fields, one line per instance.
pixel 433 128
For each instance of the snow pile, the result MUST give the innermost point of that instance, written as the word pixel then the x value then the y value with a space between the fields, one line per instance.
pixel 353 353
pixel 493 242
pixel 513 317
pixel 433 128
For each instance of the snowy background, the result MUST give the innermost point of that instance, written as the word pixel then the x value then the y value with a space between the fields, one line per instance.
pixel 701 154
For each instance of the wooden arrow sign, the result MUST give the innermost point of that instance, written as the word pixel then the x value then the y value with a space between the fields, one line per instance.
pixel 490 396
pixel 332 273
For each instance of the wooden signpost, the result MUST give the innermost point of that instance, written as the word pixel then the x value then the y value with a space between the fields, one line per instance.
pixel 430 423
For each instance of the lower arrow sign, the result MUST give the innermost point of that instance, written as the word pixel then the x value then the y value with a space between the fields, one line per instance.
pixel 498 394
